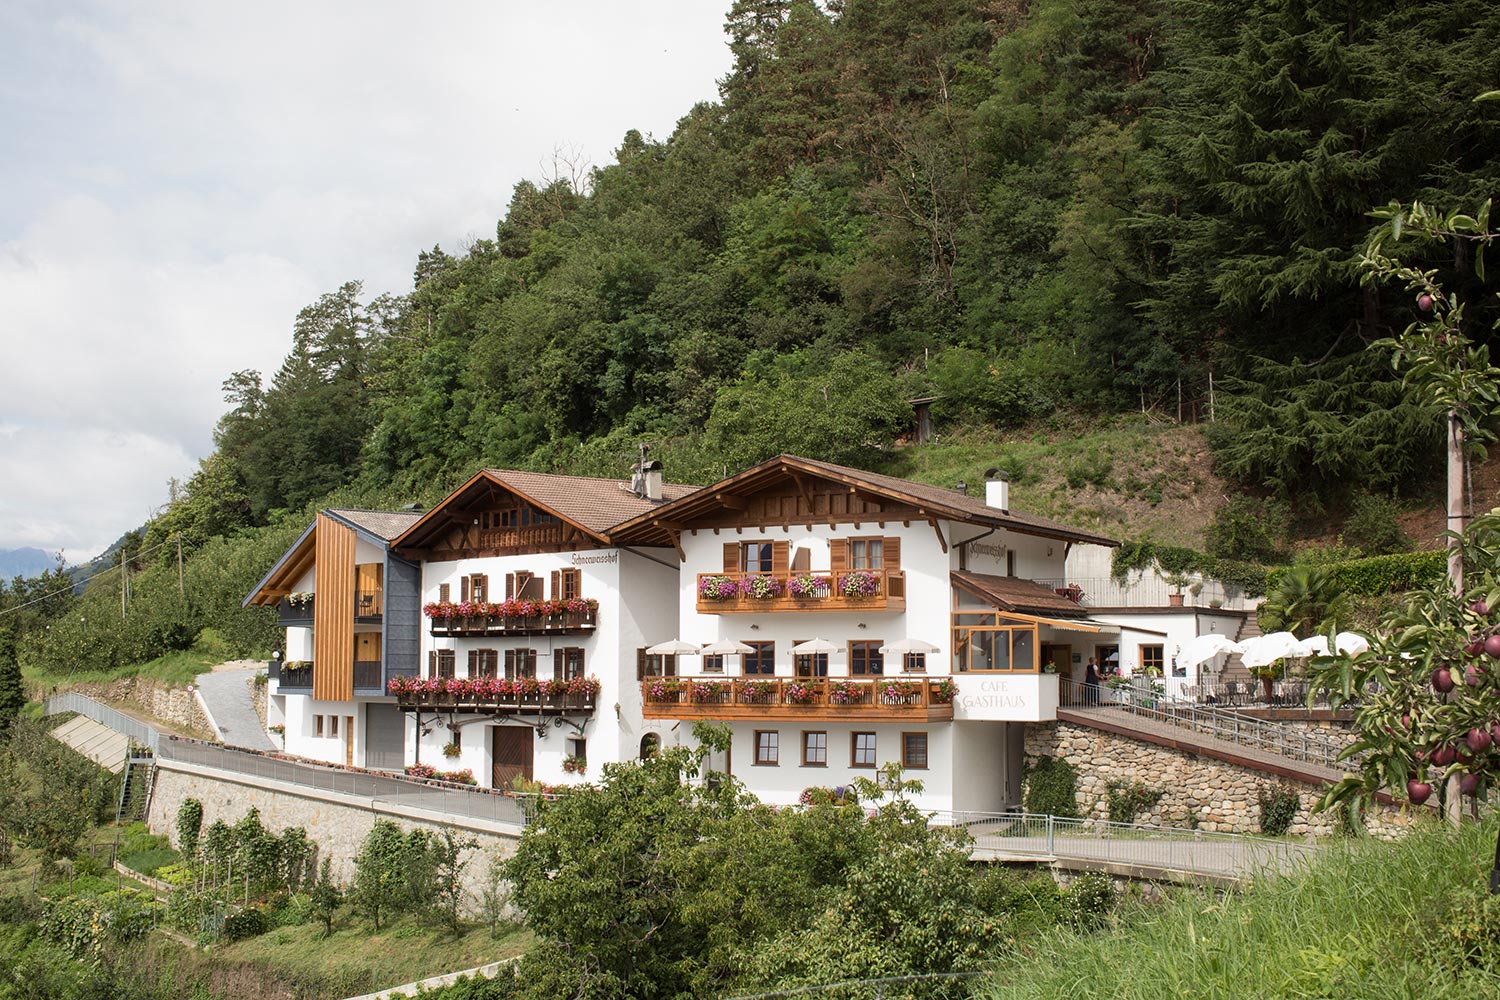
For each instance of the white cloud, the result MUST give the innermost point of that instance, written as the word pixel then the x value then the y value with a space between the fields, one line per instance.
pixel 193 174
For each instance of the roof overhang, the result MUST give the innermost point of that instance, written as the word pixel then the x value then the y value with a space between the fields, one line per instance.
pixel 482 483
pixel 297 560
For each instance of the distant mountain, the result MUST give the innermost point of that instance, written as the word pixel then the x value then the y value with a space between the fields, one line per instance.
pixel 24 562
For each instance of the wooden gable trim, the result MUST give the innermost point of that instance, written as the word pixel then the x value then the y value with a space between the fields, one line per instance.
pixel 427 535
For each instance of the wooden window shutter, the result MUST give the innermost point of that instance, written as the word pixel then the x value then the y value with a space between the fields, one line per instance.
pixel 559 660
pixel 530 663
pixel 890 552
pixel 473 663
pixel 838 554
pixel 463 584
pixel 432 663
pixel 481 587
pixel 445 592
pixel 556 585
pixel 640 663
pixel 731 557
pixel 669 664
pixel 781 557
pixel 510 586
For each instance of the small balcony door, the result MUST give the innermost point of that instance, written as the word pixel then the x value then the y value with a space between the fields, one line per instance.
pixel 512 748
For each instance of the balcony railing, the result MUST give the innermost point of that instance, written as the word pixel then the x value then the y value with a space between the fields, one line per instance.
pixel 296 674
pixel 558 623
pixel 542 697
pixel 367 675
pixel 851 590
pixel 531 536
pixel 369 605
pixel 1148 591
pixel 832 699
pixel 299 614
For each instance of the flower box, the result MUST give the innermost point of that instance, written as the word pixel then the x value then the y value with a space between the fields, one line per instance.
pixel 760 588
pixel 757 692
pixel 859 584
pixel 943 691
pixel 718 587
pixel 843 692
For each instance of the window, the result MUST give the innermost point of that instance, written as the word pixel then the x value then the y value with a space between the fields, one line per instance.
pixel 914 663
pixel 456 737
pixel 648 664
pixel 767 750
pixel 317 725
pixel 567 663
pixel 755 557
pixel 1153 658
pixel 650 746
pixel 333 725
pixel 445 593
pixel 713 664
pixel 479 587
pixel 762 660
pixel 866 553
pixel 810 664
pixel 442 663
pixel 520 663
pixel 862 750
pixel 566 584
pixel 523 585
pixel 914 751
pixel 814 749
pixel 578 747
pixel 484 663
pixel 865 657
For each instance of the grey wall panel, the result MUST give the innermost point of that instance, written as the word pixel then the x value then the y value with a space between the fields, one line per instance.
pixel 403 617
pixel 385 737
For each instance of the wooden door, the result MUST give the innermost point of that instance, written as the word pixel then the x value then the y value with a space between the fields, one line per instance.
pixel 369 592
pixel 1063 657
pixel 511 754
pixel 348 741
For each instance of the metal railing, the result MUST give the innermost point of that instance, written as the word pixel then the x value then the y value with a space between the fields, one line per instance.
pixel 133 728
pixel 1148 701
pixel 1095 841
pixel 1147 592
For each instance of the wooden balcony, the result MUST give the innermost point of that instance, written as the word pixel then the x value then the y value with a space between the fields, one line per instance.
pixel 752 593
pixel 367 676
pixel 466 696
pixel 528 537
pixel 294 675
pixel 369 605
pixel 835 699
pixel 299 615
pixel 560 623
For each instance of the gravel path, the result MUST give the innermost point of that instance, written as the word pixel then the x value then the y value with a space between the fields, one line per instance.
pixel 231 709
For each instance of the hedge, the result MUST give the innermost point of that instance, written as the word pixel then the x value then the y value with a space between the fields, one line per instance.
pixel 1379 575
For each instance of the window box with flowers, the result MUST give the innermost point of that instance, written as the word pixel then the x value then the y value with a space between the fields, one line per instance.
pixel 808 586
pixel 760 588
pixel 759 692
pixel 900 692
pixel 800 693
pixel 943 691
pixel 718 587
pixel 574 764
pixel 663 689
pixel 844 692
pixel 859 584
pixel 302 600
pixel 452 750
pixel 709 692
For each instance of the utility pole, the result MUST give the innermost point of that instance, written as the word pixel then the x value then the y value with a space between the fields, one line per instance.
pixel 180 591
pixel 1453 808
pixel 123 569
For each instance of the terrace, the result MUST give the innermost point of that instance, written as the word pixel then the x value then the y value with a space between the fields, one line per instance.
pixel 851 699
pixel 851 590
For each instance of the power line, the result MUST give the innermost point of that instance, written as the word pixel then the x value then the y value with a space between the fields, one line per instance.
pixel 86 580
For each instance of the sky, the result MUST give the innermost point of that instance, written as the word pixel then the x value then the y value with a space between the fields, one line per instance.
pixel 177 180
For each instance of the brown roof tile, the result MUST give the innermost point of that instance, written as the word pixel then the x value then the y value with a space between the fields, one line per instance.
pixel 1011 593
pixel 386 524
pixel 596 504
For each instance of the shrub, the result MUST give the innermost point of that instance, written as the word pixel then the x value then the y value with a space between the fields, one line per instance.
pixel 1128 799
pixel 1248 529
pixel 1278 807
pixel 249 922
pixel 1051 787
pixel 189 826
pixel 1372 525
pixel 1087 902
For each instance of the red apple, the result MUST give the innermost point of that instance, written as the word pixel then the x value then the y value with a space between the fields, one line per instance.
pixel 1442 680
pixel 1492 646
pixel 1444 755
pixel 1418 791
pixel 1424 302
pixel 1495 732
pixel 1474 646
pixel 1480 608
pixel 1473 676
pixel 1469 785
pixel 1479 740
pixel 1406 722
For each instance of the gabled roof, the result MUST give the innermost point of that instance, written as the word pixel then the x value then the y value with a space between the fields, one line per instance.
pixel 944 503
pixel 378 527
pixel 593 505
pixel 1011 593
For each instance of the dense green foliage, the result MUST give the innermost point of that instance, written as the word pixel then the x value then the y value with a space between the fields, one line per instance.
pixel 1392 574
pixel 1051 787
pixel 1365 918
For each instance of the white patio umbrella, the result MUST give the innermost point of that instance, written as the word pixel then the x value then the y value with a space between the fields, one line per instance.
pixel 673 647
pixel 812 646
pixel 1315 645
pixel 1264 650
pixel 903 646
pixel 726 646
pixel 1204 648
pixel 1351 643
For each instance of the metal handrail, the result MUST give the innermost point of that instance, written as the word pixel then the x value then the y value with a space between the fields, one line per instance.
pixel 1173 849
pixel 1233 727
pixel 132 728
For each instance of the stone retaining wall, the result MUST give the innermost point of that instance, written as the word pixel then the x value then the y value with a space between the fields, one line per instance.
pixel 336 822
pixel 175 706
pixel 1198 792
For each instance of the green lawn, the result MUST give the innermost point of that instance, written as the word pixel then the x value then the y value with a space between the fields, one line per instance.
pixel 174 668
pixel 1366 919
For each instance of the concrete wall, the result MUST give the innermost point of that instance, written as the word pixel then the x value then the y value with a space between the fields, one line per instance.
pixel 1211 794
pixel 175 706
pixel 337 823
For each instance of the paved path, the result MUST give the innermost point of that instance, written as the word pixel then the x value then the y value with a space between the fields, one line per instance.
pixel 231 709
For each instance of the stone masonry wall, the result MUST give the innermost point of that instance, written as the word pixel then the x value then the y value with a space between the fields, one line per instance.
pixel 337 823
pixel 1197 791
pixel 176 706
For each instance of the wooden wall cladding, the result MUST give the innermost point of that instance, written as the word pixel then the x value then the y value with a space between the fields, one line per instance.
pixel 333 612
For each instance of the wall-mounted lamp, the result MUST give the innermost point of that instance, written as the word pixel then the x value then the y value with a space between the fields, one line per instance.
pixel 862 625
pixel 755 628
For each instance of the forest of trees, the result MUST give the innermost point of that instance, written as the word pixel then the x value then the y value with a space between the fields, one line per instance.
pixel 1024 208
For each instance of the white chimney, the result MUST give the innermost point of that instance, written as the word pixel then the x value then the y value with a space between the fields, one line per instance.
pixel 997 491
pixel 651 473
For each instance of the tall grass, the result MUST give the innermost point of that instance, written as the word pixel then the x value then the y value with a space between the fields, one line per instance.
pixel 1365 919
